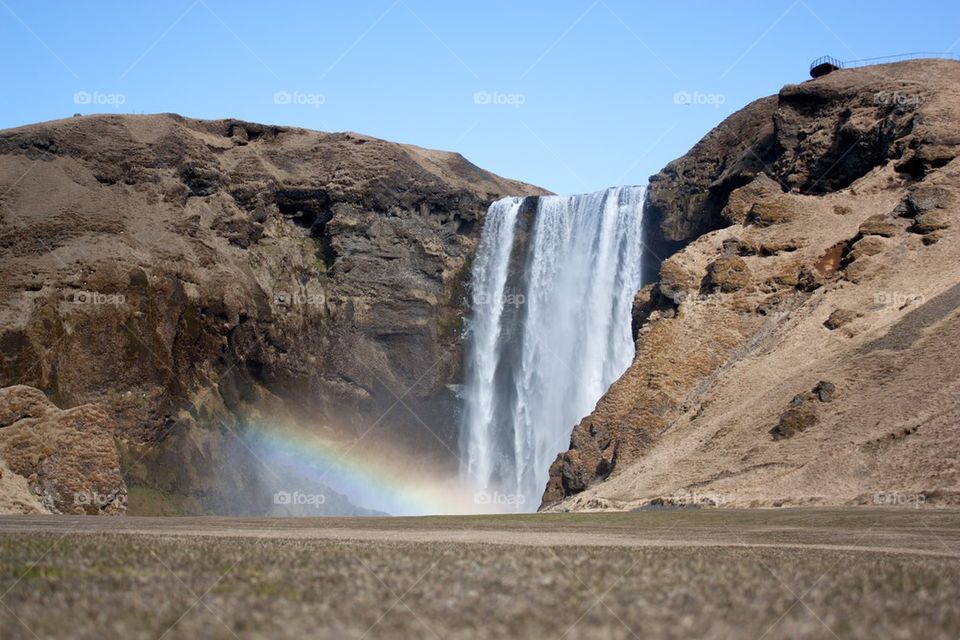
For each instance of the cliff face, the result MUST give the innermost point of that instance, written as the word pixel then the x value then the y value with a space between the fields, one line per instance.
pixel 800 343
pixel 192 278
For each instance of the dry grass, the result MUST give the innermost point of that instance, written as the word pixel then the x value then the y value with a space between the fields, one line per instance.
pixel 789 574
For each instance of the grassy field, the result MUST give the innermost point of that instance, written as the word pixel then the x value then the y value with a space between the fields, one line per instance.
pixel 857 573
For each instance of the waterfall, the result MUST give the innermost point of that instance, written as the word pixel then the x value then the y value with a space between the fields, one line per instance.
pixel 550 330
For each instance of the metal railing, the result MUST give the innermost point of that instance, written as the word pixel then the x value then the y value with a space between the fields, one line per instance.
pixel 865 62
pixel 826 60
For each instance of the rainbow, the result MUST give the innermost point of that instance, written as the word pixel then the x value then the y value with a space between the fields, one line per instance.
pixel 374 482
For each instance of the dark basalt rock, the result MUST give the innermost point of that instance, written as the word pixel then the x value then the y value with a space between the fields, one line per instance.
pixel 794 420
pixel 802 414
pixel 824 391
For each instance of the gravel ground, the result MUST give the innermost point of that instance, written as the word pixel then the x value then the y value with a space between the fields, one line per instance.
pixel 855 573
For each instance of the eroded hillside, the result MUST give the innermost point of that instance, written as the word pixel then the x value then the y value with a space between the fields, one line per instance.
pixel 801 344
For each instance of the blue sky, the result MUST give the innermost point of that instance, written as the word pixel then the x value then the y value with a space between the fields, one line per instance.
pixel 571 95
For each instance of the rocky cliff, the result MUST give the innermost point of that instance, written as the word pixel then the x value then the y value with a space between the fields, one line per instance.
pixel 193 279
pixel 800 342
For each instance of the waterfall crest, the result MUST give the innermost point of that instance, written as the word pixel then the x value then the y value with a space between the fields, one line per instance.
pixel 550 330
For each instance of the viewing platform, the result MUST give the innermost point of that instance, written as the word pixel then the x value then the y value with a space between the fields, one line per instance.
pixel 827 64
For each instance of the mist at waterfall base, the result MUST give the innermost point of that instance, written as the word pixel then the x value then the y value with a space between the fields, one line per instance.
pixel 550 330
pixel 295 471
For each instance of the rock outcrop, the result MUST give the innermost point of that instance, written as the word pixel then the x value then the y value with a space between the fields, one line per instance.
pixel 197 278
pixel 811 236
pixel 68 458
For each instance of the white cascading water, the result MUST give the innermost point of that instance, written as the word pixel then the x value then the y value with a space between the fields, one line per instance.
pixel 550 331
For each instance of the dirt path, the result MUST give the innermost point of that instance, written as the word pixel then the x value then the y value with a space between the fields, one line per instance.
pixel 764 531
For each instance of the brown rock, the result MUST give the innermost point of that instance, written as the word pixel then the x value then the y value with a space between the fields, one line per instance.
pixel 761 189
pixel 788 276
pixel 867 246
pixel 824 391
pixel 879 225
pixel 802 413
pixel 19 402
pixel 794 420
pixel 839 318
pixel 931 221
pixel 677 283
pixel 68 457
pixel 764 214
pixel 736 246
pixel 810 279
pixel 727 274
pixel 767 249
pixel 773 302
